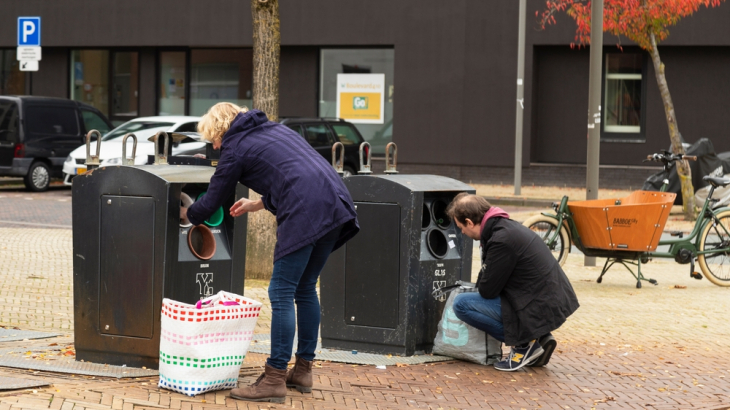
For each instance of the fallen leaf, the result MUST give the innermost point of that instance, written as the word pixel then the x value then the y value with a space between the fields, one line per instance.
pixel 680 287
pixel 401 365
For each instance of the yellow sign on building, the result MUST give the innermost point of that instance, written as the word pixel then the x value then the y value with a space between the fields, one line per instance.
pixel 360 98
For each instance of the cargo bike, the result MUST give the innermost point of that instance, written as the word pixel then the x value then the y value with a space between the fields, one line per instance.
pixel 627 231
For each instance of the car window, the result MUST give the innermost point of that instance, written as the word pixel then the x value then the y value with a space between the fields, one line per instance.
pixel 92 121
pixel 49 120
pixel 347 134
pixel 317 135
pixel 298 129
pixel 188 127
pixel 136 126
pixel 8 122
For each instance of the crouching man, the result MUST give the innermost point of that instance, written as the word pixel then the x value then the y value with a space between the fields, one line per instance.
pixel 523 292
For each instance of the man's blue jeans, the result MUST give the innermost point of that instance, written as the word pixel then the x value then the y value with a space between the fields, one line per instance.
pixel 483 314
pixel 295 279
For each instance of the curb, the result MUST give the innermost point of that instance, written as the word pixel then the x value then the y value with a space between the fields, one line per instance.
pixel 520 201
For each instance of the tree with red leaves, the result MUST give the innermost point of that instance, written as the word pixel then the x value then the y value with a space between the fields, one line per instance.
pixel 645 22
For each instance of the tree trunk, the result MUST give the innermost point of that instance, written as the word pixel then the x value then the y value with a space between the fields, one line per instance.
pixel 261 237
pixel 266 46
pixel 683 170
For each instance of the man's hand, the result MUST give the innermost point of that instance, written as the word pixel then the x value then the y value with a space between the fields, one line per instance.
pixel 244 205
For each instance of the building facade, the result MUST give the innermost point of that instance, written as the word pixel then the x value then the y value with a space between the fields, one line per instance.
pixel 448 72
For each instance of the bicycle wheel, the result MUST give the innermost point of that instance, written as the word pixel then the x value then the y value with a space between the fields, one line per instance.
pixel 716 266
pixel 544 227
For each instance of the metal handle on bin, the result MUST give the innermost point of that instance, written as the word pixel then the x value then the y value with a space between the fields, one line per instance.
pixel 125 160
pixel 365 165
pixel 390 168
pixel 338 164
pixel 92 161
pixel 161 159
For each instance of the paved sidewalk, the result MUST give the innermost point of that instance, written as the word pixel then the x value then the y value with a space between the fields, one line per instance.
pixel 659 347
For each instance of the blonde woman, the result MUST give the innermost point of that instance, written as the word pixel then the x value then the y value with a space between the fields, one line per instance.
pixel 315 216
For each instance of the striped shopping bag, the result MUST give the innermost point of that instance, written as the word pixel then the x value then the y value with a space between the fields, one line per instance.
pixel 202 346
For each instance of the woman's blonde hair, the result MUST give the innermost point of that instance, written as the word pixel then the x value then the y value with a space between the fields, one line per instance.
pixel 217 120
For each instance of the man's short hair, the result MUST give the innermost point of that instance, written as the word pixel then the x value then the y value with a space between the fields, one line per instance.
pixel 468 206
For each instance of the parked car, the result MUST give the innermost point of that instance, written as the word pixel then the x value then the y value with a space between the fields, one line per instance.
pixel 110 152
pixel 322 133
pixel 38 133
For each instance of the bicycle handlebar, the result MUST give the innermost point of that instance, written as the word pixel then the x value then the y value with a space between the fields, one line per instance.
pixel 668 157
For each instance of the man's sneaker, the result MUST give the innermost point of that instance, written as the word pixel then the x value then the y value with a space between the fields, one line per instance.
pixel 548 344
pixel 520 357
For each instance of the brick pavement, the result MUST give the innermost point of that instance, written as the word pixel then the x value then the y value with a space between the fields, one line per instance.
pixel 660 347
pixel 50 209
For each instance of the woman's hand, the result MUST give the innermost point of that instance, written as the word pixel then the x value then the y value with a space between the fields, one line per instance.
pixel 183 213
pixel 244 205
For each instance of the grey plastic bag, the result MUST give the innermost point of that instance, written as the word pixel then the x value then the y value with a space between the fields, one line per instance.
pixel 457 339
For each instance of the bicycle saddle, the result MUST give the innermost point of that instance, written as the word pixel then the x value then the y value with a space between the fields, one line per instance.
pixel 716 182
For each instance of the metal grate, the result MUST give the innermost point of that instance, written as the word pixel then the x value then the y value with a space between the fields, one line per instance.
pixel 73 367
pixel 14 383
pixel 12 335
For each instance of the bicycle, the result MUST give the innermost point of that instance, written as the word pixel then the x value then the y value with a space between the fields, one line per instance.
pixel 708 242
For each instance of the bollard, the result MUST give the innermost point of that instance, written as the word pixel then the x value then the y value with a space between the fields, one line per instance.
pixel 161 159
pixel 125 160
pixel 92 161
pixel 390 168
pixel 365 165
pixel 338 164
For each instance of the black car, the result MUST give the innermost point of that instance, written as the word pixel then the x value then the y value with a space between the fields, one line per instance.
pixel 322 133
pixel 38 133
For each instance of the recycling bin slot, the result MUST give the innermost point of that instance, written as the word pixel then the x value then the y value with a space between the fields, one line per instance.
pixel 437 243
pixel 201 242
pixel 439 214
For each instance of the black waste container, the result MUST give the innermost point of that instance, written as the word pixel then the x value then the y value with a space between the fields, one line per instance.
pixel 131 250
pixel 376 290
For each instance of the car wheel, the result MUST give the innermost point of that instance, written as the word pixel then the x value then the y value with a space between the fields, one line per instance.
pixel 348 172
pixel 38 178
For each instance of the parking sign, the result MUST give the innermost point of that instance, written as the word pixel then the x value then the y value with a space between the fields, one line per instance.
pixel 29 31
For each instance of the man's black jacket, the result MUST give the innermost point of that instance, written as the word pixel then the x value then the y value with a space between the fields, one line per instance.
pixel 536 295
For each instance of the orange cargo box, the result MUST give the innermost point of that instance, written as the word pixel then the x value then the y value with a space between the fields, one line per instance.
pixel 633 223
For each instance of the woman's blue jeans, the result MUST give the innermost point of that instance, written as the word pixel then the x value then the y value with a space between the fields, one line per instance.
pixel 483 314
pixel 295 280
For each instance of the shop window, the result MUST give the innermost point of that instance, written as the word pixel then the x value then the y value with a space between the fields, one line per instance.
pixel 12 80
pixel 368 101
pixel 172 83
pixel 623 93
pixel 90 78
pixel 220 75
pixel 125 86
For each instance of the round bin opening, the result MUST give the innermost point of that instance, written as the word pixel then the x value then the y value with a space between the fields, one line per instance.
pixel 217 217
pixel 437 243
pixel 201 242
pixel 439 214
pixel 426 219
pixel 185 202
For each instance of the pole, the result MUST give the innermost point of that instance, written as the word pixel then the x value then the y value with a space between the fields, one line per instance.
pixel 594 107
pixel 520 97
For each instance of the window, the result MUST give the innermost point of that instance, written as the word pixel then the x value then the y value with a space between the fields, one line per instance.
pixel 125 86
pixel 365 62
pixel 172 83
pixel 8 122
pixel 12 80
pixel 90 78
pixel 220 75
pixel 346 134
pixel 623 95
pixel 317 135
pixel 92 121
pixel 51 120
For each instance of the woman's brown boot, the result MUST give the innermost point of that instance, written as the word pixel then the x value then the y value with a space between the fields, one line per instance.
pixel 270 386
pixel 300 376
